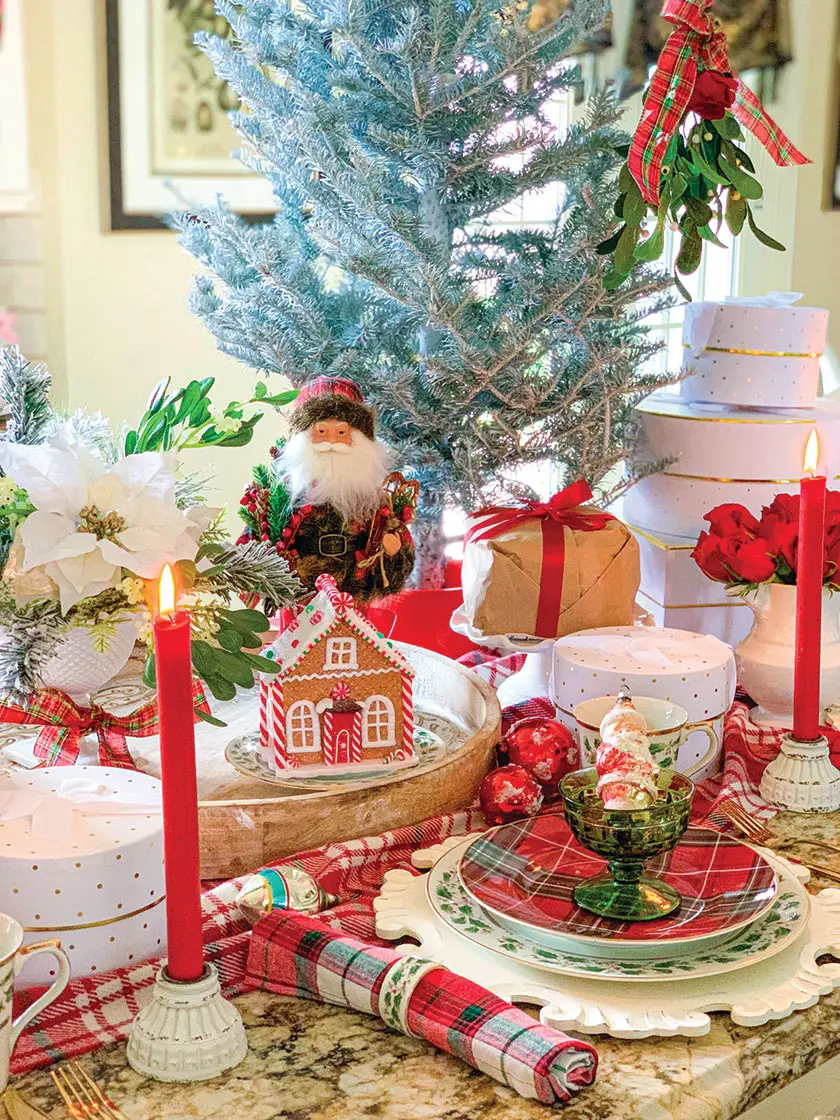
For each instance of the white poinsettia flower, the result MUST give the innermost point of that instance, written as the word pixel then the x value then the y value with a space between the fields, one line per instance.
pixel 92 519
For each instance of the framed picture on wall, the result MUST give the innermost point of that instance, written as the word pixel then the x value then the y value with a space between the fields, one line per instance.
pixel 169 136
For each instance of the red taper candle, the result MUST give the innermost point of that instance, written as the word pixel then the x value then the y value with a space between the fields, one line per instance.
pixel 809 585
pixel 173 666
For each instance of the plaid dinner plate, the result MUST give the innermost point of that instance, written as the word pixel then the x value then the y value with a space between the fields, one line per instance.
pixel 527 871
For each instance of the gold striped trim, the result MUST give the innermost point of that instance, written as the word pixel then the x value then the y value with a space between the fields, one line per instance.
pixel 688 606
pixel 725 419
pixel 753 353
pixel 95 925
pixel 741 481
pixel 697 723
pixel 650 730
pixel 660 543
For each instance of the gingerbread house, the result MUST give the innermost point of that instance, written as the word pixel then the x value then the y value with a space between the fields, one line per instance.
pixel 342 696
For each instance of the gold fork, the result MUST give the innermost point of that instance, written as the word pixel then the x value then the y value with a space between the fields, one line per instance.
pixel 754 830
pixel 736 814
pixel 81 1095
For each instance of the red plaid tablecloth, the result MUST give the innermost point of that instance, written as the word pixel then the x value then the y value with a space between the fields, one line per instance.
pixel 747 747
pixel 99 1009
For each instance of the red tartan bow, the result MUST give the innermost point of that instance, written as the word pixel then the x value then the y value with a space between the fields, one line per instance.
pixel 64 723
pixel 561 511
pixel 696 38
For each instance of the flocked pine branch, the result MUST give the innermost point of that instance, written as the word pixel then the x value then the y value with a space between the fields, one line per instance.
pixel 25 388
pixel 33 633
pixel 254 571
pixel 191 489
pixel 90 428
pixel 396 135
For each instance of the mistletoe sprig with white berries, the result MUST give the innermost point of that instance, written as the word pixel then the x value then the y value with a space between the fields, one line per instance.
pixel 684 165
pixel 707 179
pixel 185 418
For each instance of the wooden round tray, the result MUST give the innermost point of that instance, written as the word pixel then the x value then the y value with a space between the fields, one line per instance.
pixel 246 823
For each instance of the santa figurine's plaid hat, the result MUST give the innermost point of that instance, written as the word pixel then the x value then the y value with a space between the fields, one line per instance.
pixel 332 398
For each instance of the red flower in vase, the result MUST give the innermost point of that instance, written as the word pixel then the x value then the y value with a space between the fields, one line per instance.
pixel 779 527
pixel 731 518
pixel 714 93
pixel 732 559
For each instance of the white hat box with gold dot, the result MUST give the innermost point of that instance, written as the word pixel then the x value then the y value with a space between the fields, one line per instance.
pixel 760 353
pixel 695 671
pixel 720 454
pixel 81 860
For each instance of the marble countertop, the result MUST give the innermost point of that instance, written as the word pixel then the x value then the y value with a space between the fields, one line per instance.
pixel 307 1061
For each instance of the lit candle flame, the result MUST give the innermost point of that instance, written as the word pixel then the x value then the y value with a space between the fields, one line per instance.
pixel 812 453
pixel 166 591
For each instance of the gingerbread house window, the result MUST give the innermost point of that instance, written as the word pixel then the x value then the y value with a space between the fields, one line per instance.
pixel 341 654
pixel 378 725
pixel 303 732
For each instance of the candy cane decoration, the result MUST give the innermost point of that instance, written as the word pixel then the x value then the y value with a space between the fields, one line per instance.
pixel 408 714
pixel 278 719
pixel 265 724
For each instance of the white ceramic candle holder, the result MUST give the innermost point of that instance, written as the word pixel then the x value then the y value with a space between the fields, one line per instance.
pixel 802 779
pixel 188 1032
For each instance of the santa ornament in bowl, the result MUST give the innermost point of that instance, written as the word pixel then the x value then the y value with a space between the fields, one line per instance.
pixel 328 501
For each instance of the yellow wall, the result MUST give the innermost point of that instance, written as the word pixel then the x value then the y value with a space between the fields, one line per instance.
pixel 117 312
pixel 816 261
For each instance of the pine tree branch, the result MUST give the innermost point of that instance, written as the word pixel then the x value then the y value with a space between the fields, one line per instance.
pixel 26 390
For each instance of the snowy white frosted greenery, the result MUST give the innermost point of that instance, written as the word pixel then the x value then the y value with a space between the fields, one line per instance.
pixel 393 132
pixel 89 518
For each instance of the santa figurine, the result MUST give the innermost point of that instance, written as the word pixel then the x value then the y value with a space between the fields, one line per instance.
pixel 344 513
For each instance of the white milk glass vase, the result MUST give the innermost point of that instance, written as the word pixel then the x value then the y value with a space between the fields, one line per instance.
pixel 765 657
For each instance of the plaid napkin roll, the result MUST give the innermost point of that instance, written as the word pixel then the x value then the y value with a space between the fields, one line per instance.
pixel 298 956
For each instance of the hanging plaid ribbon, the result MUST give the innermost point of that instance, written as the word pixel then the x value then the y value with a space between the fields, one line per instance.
pixel 64 723
pixel 695 39
pixel 557 514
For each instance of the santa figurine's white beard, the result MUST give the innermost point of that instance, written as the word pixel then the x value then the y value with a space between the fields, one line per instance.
pixel 346 476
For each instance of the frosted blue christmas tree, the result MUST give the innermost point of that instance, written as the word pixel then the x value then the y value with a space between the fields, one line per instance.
pixel 394 133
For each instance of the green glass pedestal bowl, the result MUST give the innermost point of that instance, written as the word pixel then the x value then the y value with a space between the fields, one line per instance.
pixel 626 838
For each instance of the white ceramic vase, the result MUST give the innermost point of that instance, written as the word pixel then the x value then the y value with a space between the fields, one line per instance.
pixel 80 669
pixel 765 657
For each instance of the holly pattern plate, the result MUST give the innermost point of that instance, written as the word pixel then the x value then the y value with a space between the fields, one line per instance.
pixel 524 874
pixel 770 934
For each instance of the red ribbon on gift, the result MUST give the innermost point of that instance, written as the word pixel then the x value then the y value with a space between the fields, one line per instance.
pixel 695 39
pixel 558 513
pixel 64 723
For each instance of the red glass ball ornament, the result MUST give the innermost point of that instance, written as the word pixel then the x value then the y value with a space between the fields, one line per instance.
pixel 509 793
pixel 544 747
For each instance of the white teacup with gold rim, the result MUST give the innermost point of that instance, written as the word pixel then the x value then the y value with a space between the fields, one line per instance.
pixel 668 729
pixel 13 956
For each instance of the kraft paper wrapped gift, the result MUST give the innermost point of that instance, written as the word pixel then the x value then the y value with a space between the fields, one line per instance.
pixel 549 569
pixel 81 860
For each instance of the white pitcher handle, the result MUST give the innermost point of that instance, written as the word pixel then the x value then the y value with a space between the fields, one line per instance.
pixel 711 753
pixel 52 993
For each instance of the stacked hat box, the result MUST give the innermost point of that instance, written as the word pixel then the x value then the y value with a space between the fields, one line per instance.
pixel 81 860
pixel 734 430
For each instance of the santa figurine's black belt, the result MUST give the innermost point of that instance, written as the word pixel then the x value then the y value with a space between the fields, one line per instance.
pixel 333 544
